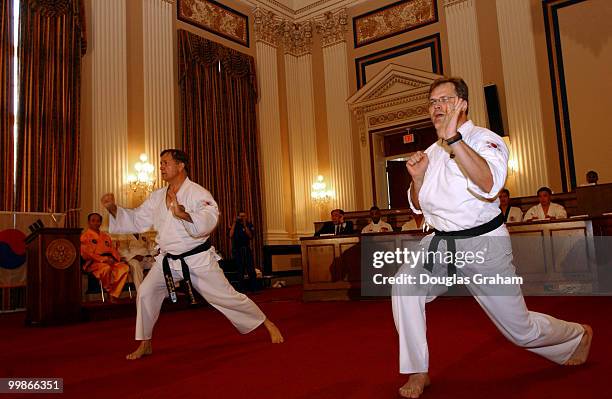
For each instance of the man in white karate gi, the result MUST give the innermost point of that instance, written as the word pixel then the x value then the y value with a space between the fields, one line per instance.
pixel 184 214
pixel 454 184
pixel 138 253
pixel 545 209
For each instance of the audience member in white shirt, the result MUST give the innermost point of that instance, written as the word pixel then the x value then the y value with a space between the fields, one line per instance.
pixel 376 224
pixel 545 209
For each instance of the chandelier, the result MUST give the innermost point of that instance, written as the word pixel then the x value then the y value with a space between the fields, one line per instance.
pixel 143 181
pixel 319 194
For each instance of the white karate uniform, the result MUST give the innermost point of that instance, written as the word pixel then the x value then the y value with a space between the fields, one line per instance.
pixel 515 215
pixel 176 236
pixel 450 202
pixel 554 210
pixel 138 247
pixel 377 227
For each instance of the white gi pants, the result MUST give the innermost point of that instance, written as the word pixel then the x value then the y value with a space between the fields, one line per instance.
pixel 210 282
pixel 539 333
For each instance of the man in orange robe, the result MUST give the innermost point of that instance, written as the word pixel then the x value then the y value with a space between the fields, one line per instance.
pixel 101 258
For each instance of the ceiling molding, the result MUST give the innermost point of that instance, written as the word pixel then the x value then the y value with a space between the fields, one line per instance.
pixel 313 10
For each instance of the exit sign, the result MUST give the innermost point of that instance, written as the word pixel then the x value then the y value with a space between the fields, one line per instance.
pixel 408 138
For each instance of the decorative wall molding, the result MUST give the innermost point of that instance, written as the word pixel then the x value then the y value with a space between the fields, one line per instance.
pixel 393 19
pixel 215 18
pixel 396 80
pixel 398 116
pixel 332 27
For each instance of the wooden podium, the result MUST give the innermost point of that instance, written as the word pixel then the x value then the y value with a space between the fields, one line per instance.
pixel 54 276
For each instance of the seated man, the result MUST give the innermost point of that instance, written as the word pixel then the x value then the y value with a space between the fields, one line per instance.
pixel 545 209
pixel 512 214
pixel 337 226
pixel 376 225
pixel 138 252
pixel 592 178
pixel 101 258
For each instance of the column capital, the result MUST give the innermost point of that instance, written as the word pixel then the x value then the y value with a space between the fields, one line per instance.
pixel 297 37
pixel 332 27
pixel 268 27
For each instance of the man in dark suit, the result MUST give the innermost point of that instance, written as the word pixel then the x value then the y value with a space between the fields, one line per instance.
pixel 337 226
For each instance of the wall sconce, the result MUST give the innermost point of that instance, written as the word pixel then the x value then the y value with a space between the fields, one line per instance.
pixel 143 181
pixel 319 194
pixel 512 161
pixel 512 166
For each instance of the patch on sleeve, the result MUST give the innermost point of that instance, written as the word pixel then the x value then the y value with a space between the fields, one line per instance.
pixel 493 145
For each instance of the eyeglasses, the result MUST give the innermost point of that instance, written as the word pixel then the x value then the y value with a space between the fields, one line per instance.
pixel 441 100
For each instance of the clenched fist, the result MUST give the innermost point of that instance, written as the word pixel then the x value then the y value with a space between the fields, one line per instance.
pixel 108 201
pixel 417 165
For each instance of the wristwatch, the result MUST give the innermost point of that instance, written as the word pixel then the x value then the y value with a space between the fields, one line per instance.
pixel 454 139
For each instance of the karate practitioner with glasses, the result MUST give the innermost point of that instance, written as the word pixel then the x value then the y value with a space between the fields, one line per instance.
pixel 455 183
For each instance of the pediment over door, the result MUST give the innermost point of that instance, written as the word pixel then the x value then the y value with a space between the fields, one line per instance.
pixel 396 94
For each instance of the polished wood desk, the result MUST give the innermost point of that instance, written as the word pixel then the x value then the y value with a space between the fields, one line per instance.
pixel 554 258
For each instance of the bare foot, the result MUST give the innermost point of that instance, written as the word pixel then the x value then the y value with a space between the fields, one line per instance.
pixel 144 349
pixel 275 334
pixel 581 353
pixel 415 385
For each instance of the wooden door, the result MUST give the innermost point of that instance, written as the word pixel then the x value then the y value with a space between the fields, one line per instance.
pixel 398 180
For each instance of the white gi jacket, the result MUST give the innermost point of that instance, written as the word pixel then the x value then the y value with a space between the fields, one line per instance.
pixel 449 200
pixel 376 227
pixel 174 235
pixel 554 210
pixel 515 215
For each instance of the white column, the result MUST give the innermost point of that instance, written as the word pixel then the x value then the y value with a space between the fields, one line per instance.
pixel 266 28
pixel 526 130
pixel 302 139
pixel 109 101
pixel 333 29
pixel 159 77
pixel 464 53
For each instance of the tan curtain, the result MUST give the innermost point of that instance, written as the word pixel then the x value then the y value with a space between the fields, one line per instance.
pixel 52 42
pixel 219 130
pixel 6 112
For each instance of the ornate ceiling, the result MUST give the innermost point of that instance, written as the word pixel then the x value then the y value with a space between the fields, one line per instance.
pixel 302 9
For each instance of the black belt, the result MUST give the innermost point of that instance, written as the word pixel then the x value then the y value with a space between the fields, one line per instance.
pixel 451 236
pixel 186 276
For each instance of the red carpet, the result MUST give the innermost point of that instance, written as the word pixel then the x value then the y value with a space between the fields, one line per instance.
pixel 332 350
